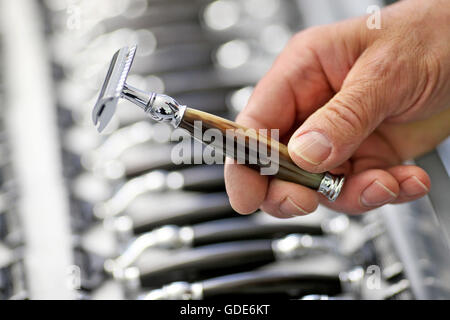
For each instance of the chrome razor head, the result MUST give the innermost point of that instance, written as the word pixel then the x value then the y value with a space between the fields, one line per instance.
pixel 158 106
pixel 112 87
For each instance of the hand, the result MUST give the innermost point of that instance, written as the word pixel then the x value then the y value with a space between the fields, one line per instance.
pixel 354 101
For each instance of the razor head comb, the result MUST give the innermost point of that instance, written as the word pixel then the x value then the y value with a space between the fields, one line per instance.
pixel 112 87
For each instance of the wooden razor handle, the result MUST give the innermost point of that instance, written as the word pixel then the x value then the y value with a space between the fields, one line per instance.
pixel 249 147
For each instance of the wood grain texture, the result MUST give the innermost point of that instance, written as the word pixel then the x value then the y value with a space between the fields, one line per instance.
pixel 255 147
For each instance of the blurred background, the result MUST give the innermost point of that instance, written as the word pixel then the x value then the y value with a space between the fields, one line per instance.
pixel 89 216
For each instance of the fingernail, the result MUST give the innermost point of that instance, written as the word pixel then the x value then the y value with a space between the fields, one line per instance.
pixel 312 147
pixel 377 194
pixel 413 187
pixel 289 208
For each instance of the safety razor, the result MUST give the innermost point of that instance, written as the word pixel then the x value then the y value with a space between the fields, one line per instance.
pixel 256 148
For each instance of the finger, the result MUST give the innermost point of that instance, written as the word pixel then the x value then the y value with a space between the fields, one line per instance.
pixel 287 200
pixel 294 87
pixel 365 191
pixel 246 188
pixel 414 182
pixel 430 132
pixel 333 133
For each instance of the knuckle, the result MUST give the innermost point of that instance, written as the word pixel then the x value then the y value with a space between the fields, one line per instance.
pixel 415 74
pixel 350 114
pixel 384 62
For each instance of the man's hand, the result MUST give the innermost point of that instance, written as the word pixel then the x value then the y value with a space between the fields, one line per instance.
pixel 354 101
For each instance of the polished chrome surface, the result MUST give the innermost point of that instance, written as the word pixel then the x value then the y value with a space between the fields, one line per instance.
pixel 159 107
pixel 167 237
pixel 165 109
pixel 331 186
pixel 298 245
pixel 112 87
pixel 136 96
pixel 152 181
pixel 177 291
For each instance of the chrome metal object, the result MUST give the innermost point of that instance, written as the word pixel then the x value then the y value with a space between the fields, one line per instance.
pixel 177 291
pixel 297 245
pixel 331 186
pixel 167 237
pixel 160 107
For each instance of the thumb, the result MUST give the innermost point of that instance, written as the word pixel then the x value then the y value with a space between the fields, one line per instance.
pixel 332 133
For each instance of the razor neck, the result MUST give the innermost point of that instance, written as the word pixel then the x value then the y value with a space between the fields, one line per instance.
pixel 136 96
pixel 160 107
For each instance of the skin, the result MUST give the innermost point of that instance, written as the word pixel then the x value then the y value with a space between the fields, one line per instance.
pixel 380 97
